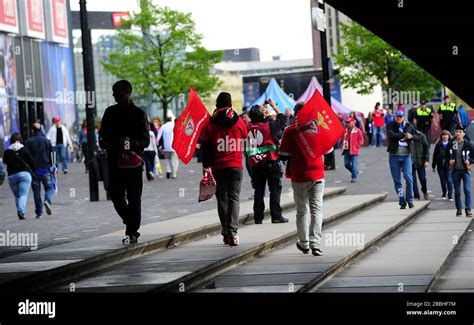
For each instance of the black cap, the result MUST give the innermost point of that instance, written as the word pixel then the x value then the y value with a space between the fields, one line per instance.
pixel 256 114
pixel 460 127
pixel 224 100
pixel 423 102
pixel 445 97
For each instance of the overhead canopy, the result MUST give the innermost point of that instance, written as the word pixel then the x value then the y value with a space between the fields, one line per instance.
pixel 274 92
pixel 314 85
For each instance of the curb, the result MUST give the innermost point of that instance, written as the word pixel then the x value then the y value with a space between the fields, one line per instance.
pixel 42 280
pixel 448 258
pixel 349 259
pixel 207 273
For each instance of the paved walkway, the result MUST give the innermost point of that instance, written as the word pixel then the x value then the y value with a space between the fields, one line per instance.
pixel 408 261
pixel 76 218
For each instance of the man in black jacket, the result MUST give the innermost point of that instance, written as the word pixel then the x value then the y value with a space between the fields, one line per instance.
pixel 124 133
pixel 461 152
pixel 40 148
pixel 400 134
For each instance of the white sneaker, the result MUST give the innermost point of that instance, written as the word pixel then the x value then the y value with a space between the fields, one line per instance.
pixel 47 207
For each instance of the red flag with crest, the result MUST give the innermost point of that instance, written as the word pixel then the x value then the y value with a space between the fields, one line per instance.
pixel 319 126
pixel 188 127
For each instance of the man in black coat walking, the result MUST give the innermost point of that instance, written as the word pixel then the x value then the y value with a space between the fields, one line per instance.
pixel 124 133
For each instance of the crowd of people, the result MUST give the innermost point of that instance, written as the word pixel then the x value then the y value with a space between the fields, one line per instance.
pixel 269 136
pixel 407 137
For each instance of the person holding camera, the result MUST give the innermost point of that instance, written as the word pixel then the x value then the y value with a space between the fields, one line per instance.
pixel 400 134
pixel 124 134
pixel 262 156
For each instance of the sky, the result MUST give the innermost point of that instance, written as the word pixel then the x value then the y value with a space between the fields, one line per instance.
pixel 276 27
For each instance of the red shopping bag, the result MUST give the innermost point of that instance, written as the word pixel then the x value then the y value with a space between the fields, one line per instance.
pixel 207 186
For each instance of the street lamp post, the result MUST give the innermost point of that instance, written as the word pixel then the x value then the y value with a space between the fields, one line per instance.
pixel 89 84
pixel 319 22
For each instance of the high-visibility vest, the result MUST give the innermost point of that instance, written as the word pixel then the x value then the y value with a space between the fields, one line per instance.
pixel 450 107
pixel 421 112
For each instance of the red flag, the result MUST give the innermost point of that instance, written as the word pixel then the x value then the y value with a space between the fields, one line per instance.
pixel 188 127
pixel 320 127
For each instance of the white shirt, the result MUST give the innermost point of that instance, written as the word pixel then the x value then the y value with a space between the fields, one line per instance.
pixel 52 136
pixel 152 145
pixel 166 131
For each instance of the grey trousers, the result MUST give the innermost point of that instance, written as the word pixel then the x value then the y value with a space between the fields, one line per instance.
pixel 172 162
pixel 228 182
pixel 308 197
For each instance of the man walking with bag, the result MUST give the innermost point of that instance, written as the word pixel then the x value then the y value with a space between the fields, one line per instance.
pixel 222 143
pixel 124 133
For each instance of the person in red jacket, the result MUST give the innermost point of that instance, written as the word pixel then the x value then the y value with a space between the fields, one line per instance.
pixel 379 123
pixel 307 181
pixel 222 145
pixel 352 141
pixel 262 153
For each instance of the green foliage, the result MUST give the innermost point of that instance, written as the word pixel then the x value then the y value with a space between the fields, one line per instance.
pixel 161 55
pixel 365 60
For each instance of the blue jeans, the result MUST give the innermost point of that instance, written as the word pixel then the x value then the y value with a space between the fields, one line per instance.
pixel 48 188
pixel 351 162
pixel 459 175
pixel 421 171
pixel 20 184
pixel 398 165
pixel 378 134
pixel 446 181
pixel 60 150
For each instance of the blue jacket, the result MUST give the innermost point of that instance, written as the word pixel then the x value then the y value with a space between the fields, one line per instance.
pixel 464 117
pixel 40 149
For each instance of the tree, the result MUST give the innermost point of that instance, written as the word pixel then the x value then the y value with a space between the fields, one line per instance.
pixel 365 60
pixel 161 55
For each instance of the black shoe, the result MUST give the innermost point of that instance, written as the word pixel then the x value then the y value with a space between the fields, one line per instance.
pixel 21 216
pixel 130 239
pixel 411 205
pixel 403 206
pixel 468 213
pixel 134 239
pixel 459 212
pixel 258 222
pixel 301 249
pixel 168 175
pixel 317 252
pixel 281 220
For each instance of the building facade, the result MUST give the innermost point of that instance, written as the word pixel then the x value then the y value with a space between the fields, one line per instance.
pixel 36 67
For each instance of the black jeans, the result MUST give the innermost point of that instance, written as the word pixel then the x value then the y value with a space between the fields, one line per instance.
pixel 271 173
pixel 228 182
pixel 125 189
pixel 421 171
pixel 85 154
